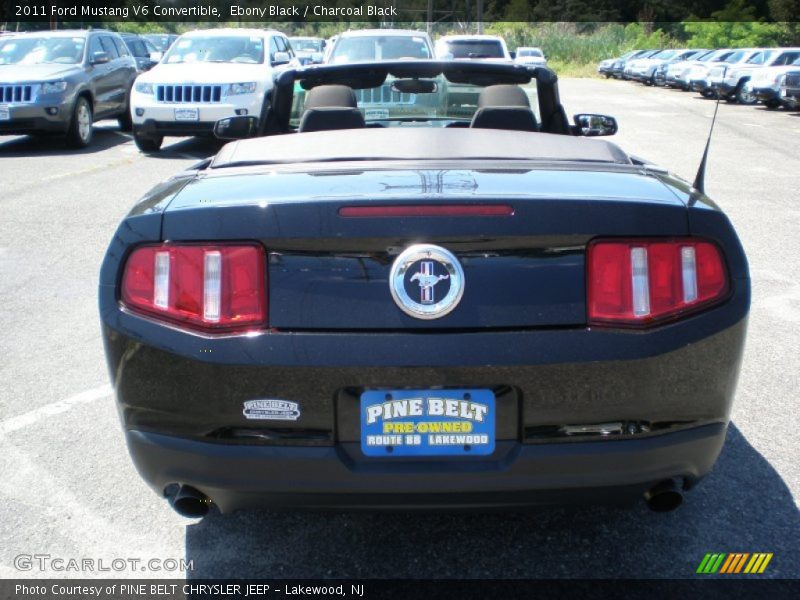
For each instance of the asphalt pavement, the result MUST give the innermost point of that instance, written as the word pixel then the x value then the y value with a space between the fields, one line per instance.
pixel 69 490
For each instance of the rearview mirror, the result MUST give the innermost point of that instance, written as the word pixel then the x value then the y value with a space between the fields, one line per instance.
pixel 236 128
pixel 414 86
pixel 280 58
pixel 100 58
pixel 591 125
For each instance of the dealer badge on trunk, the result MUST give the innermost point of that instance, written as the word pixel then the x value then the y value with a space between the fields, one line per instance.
pixel 426 281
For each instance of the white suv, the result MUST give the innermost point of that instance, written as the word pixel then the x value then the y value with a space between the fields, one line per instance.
pixel 206 76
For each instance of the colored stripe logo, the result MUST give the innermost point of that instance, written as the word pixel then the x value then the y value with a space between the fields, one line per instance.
pixel 734 562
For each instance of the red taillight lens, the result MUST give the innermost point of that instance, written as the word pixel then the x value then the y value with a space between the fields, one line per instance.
pixel 210 287
pixel 638 282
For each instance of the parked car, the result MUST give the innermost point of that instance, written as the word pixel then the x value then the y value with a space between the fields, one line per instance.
pixel 486 47
pixel 530 56
pixel 309 50
pixel 63 81
pixel 735 87
pixel 697 71
pixel 618 66
pixel 644 70
pixel 144 52
pixel 790 89
pixel 660 73
pixel 367 45
pixel 162 41
pixel 205 76
pixel 717 71
pixel 765 83
pixel 632 64
pixel 677 73
pixel 474 311
pixel 697 78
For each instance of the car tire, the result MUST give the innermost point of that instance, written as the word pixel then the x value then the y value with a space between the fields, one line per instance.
pixel 125 120
pixel 79 134
pixel 147 143
pixel 772 104
pixel 743 96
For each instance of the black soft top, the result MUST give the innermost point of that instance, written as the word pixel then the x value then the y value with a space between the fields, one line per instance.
pixel 417 143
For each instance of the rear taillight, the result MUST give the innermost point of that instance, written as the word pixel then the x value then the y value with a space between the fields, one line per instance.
pixel 637 282
pixel 209 287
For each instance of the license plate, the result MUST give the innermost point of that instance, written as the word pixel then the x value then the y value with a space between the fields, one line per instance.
pixel 5 113
pixel 187 114
pixel 376 114
pixel 427 422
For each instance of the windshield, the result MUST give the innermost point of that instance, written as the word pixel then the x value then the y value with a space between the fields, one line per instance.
pixel 475 49
pixel 448 104
pixel 216 49
pixel 367 48
pixel 529 52
pixel 301 45
pixel 666 54
pixel 42 50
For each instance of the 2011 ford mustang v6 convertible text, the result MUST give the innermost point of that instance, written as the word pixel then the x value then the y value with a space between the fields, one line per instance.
pixel 452 298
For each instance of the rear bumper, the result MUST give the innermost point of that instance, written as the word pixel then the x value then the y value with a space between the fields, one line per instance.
pixel 239 477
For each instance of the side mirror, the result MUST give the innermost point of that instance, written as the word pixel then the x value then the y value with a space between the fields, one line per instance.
pixel 156 56
pixel 280 58
pixel 591 125
pixel 513 54
pixel 236 128
pixel 100 58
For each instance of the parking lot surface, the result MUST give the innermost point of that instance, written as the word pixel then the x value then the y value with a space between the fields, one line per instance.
pixel 69 490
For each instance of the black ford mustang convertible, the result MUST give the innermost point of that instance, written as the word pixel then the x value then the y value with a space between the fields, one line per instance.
pixel 453 299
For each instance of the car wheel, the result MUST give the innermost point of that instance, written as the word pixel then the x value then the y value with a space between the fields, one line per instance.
pixel 147 143
pixel 125 120
pixel 772 104
pixel 744 95
pixel 80 130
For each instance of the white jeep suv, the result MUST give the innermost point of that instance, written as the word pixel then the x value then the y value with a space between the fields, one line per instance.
pixel 206 76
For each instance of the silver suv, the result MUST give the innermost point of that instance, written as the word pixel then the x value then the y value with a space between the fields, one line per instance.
pixel 64 81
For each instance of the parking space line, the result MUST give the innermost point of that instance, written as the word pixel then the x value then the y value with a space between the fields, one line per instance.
pixel 54 408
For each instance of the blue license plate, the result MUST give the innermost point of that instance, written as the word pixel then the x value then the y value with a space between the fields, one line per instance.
pixel 427 422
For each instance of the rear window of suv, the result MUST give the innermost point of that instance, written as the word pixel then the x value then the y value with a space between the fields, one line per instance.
pixel 475 49
pixel 379 47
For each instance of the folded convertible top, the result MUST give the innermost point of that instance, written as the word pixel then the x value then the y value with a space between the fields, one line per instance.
pixel 416 143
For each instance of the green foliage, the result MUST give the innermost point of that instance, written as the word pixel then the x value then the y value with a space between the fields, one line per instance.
pixel 730 34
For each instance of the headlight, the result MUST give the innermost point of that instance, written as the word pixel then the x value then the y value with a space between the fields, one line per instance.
pixel 144 88
pixel 53 87
pixel 242 88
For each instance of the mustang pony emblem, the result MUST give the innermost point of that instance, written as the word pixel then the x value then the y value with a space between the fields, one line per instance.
pixel 427 280
pixel 417 272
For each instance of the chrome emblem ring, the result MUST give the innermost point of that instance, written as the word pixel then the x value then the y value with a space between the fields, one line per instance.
pixel 426 281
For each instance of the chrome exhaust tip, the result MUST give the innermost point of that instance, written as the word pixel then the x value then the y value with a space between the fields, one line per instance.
pixel 188 502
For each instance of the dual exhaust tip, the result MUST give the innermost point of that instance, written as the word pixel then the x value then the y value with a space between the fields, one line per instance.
pixel 190 502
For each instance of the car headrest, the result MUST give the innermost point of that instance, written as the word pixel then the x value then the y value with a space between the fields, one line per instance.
pixel 330 95
pixel 503 95
pixel 329 107
pixel 329 118
pixel 515 118
pixel 504 107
